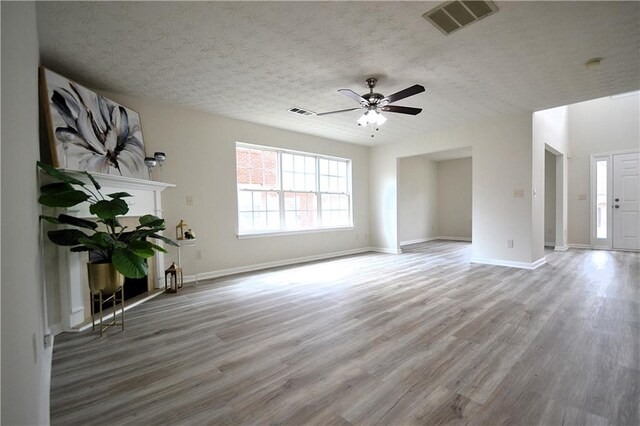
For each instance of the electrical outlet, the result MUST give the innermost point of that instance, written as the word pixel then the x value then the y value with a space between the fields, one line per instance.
pixel 189 200
pixel 509 243
pixel 582 197
pixel 518 193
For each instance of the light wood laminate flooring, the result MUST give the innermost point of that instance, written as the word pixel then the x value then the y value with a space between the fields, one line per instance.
pixel 423 337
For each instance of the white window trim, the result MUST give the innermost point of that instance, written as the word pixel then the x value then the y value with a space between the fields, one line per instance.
pixel 262 234
pixel 282 231
pixel 600 243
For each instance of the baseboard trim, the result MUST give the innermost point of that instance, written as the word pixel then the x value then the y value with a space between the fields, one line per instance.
pixel 385 250
pixel 55 329
pixel 579 246
pixel 439 237
pixel 259 266
pixel 509 264
pixel 453 238
pixel 549 244
pixel 561 248
pixel 417 241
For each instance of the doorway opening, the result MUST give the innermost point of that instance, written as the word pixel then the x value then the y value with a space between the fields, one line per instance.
pixel 435 197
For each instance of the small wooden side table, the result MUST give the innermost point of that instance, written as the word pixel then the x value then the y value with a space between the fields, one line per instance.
pixel 187 243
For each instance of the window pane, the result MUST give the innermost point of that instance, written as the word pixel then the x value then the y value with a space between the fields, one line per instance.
pixel 342 169
pixel 273 220
pixel 601 199
pixel 259 220
pixel 259 201
pixel 245 221
pixel 324 183
pixel 301 210
pixel 287 181
pixel 244 201
pixel 342 184
pixel 310 165
pixel 335 210
pixel 324 166
pixel 273 203
pixel 298 163
pixel 287 162
pixel 333 168
pixel 310 184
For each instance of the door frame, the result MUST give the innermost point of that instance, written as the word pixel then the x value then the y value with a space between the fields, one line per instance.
pixel 602 243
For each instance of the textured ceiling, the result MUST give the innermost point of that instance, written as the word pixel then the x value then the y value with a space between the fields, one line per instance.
pixel 254 60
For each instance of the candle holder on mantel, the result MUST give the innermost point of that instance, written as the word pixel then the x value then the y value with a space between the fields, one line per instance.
pixel 150 162
pixel 160 157
pixel 157 160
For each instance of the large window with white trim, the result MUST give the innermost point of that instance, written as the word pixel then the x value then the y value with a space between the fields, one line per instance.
pixel 281 190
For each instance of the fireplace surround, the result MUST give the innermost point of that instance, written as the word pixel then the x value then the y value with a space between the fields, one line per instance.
pixel 65 271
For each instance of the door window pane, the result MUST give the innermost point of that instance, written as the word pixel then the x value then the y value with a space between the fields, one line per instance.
pixel 601 199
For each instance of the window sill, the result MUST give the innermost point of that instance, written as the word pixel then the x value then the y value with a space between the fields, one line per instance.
pixel 296 232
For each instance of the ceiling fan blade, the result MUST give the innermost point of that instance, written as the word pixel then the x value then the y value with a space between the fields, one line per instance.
pixel 401 109
pixel 353 95
pixel 340 110
pixel 409 91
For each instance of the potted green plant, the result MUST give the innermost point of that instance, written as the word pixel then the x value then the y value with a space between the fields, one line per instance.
pixel 120 252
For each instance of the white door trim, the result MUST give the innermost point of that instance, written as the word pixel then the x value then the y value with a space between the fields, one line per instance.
pixel 607 243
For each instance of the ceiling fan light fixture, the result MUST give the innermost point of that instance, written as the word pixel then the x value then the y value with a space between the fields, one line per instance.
pixel 380 119
pixel 362 121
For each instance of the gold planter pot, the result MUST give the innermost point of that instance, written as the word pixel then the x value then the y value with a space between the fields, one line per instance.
pixel 103 276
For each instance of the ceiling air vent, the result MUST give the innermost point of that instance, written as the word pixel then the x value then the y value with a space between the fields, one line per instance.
pixel 451 16
pixel 301 111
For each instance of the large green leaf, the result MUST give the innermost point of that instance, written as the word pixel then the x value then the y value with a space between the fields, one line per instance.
pixel 109 209
pixel 142 248
pixel 158 248
pixel 56 188
pixel 151 221
pixel 165 239
pixel 76 221
pixel 50 219
pixel 148 218
pixel 63 199
pixel 129 264
pixel 66 237
pixel 98 241
pixel 118 195
pixel 60 175
pixel 93 181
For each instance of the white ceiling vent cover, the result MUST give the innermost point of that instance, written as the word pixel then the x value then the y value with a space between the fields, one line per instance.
pixel 301 111
pixel 453 15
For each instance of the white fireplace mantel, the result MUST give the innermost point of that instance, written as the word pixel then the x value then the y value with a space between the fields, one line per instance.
pixel 146 199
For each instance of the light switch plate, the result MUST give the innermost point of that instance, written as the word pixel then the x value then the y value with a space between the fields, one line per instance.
pixel 189 200
pixel 518 193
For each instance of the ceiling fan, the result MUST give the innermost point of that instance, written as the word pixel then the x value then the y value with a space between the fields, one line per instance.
pixel 374 103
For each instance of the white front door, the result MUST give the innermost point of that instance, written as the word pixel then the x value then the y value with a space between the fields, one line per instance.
pixel 626 201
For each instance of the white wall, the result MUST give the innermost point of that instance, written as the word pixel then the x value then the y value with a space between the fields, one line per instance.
pixel 26 364
pixel 502 162
pixel 200 150
pixel 551 132
pixel 417 199
pixel 455 198
pixel 597 126
pixel 549 198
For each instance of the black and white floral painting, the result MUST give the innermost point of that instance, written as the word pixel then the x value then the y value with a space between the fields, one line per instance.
pixel 90 132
